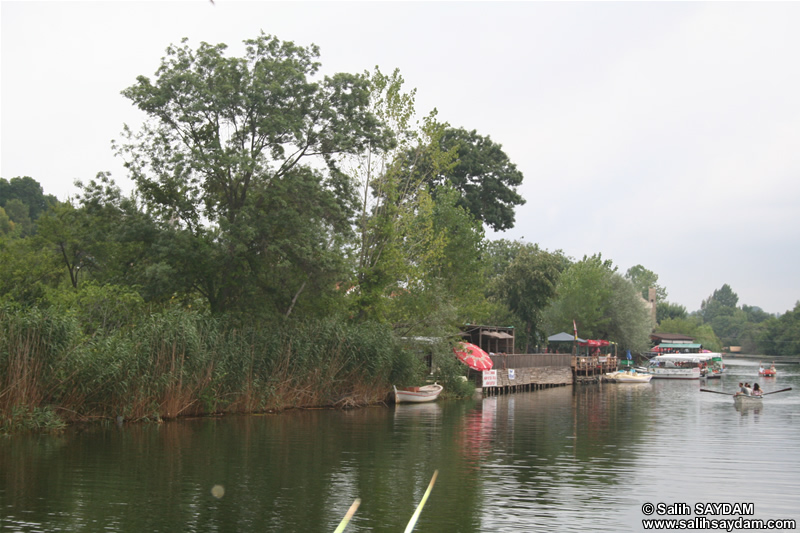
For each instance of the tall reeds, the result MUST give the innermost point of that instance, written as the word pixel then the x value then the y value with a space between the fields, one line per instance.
pixel 179 362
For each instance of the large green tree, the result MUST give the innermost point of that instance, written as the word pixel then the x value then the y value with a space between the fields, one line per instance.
pixel 239 154
pixel 603 304
pixel 721 303
pixel 528 285
pixel 484 175
pixel 643 280
pixel 29 192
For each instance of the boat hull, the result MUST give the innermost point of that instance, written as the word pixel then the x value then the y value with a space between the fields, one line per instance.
pixel 744 399
pixel 428 393
pixel 628 377
pixel 675 373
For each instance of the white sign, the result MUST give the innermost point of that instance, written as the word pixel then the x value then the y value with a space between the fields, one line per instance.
pixel 511 373
pixel 490 378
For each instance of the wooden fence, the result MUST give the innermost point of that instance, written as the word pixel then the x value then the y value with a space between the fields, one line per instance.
pixel 532 360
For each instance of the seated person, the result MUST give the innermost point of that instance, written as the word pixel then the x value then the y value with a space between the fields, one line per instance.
pixel 757 390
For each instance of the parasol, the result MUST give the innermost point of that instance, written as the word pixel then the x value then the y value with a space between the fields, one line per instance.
pixel 473 356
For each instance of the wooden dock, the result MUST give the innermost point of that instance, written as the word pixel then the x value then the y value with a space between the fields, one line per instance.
pixel 529 372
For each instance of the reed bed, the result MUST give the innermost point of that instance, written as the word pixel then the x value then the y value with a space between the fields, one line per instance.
pixel 177 363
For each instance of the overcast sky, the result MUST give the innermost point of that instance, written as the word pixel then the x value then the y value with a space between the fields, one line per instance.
pixel 665 134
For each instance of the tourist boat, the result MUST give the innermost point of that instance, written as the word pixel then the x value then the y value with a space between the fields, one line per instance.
pixel 628 376
pixel 767 372
pixel 427 393
pixel 679 365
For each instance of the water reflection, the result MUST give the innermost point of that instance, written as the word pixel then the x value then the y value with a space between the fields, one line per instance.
pixel 563 459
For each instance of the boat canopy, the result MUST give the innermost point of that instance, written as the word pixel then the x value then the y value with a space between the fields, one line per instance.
pixel 687 357
pixel 679 346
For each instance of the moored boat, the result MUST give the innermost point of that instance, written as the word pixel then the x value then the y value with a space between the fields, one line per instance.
pixel 684 361
pixel 427 393
pixel 628 376
pixel 676 366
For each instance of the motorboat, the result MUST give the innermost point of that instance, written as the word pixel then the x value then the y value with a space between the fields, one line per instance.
pixel 628 376
pixel 426 393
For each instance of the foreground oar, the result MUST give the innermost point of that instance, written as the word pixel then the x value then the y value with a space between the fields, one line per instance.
pixel 348 516
pixel 777 391
pixel 414 518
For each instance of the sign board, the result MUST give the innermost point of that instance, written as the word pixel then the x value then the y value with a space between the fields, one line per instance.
pixel 490 378
pixel 511 373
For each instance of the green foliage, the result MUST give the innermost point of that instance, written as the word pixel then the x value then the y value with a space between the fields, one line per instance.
pixel 667 310
pixel 27 270
pixel 643 280
pixel 6 225
pixel 483 174
pixel 227 159
pixel 22 419
pixel 781 336
pixel 28 192
pixel 603 304
pixel 177 362
pixel 100 307
pixel 527 286
pixel 694 327
pixel 722 302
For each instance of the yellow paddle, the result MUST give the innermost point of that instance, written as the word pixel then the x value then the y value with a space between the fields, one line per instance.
pixel 348 516
pixel 414 518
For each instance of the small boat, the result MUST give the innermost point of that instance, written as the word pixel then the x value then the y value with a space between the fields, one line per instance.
pixel 745 399
pixel 767 372
pixel 427 393
pixel 628 376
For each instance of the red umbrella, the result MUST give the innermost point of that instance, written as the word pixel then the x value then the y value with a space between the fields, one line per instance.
pixel 473 356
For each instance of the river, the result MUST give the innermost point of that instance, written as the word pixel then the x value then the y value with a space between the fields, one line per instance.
pixel 577 458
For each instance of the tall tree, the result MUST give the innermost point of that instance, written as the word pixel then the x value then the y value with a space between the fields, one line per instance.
pixel 667 310
pixel 643 280
pixel 722 302
pixel 602 303
pixel 528 285
pixel 28 191
pixel 226 157
pixel 394 225
pixel 485 176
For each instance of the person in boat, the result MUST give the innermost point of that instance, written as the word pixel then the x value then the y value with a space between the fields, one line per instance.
pixel 743 390
pixel 747 389
pixel 757 390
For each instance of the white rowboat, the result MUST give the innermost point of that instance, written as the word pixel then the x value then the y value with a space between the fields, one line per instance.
pixel 427 393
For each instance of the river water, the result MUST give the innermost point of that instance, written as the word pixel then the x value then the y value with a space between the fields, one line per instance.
pixel 582 458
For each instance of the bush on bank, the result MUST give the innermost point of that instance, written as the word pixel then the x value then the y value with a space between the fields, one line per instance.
pixel 177 362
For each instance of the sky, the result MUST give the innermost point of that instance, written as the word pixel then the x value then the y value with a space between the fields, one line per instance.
pixel 661 134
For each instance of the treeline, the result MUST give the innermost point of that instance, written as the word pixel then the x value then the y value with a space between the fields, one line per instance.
pixel 722 323
pixel 287 236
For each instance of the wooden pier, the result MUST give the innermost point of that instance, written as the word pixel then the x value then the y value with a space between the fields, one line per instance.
pixel 530 372
pixel 590 369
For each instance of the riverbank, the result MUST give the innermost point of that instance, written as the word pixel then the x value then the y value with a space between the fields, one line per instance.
pixel 178 363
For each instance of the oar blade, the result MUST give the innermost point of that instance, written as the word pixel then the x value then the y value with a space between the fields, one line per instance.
pixel 348 516
pixel 415 517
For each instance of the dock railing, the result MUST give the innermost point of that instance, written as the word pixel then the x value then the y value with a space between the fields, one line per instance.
pixel 531 360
